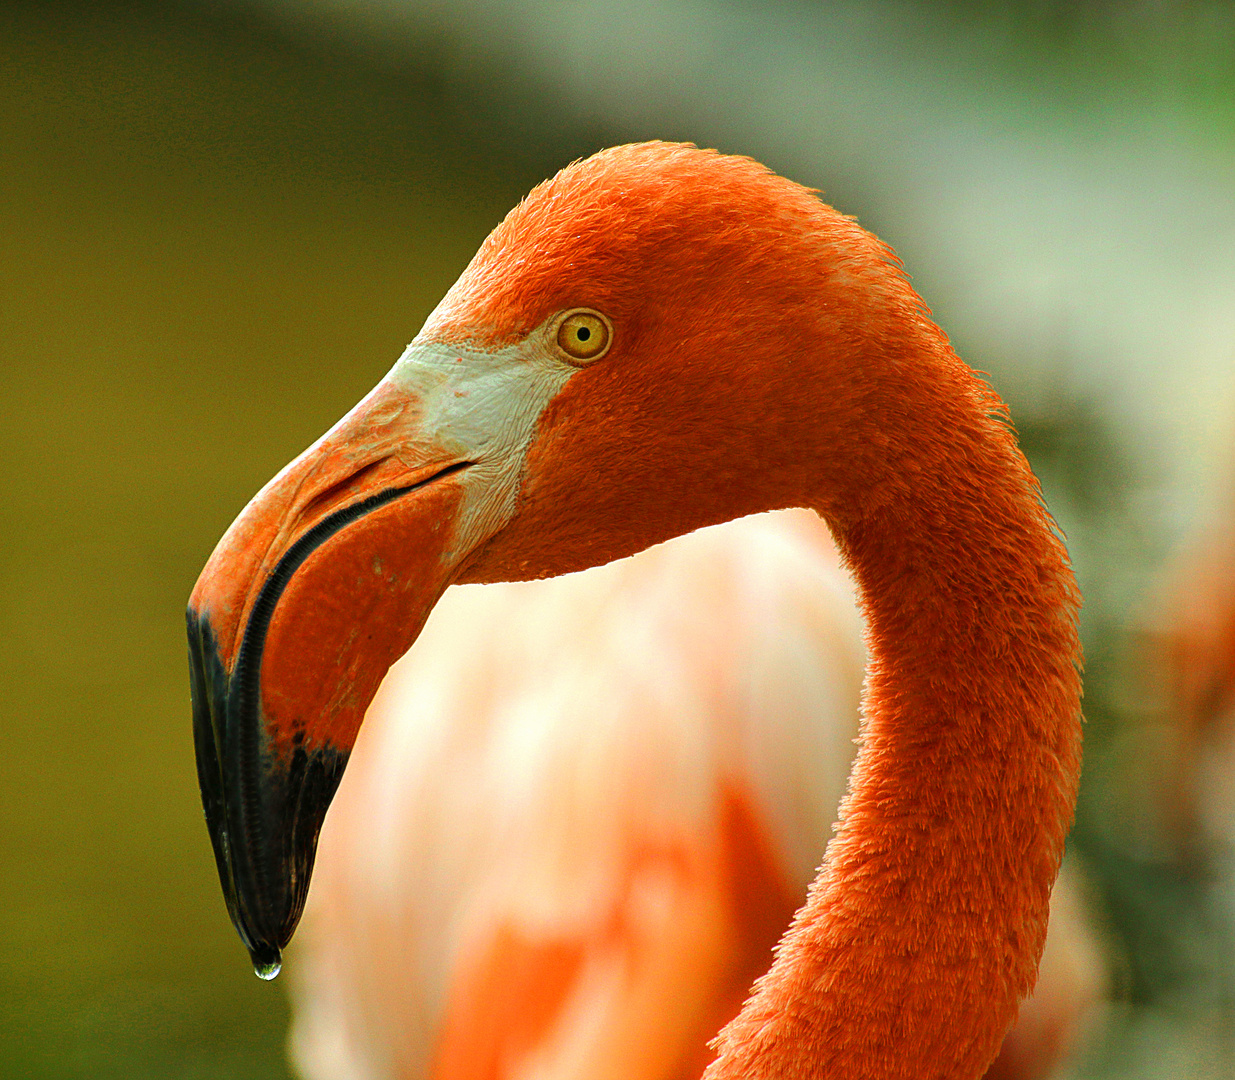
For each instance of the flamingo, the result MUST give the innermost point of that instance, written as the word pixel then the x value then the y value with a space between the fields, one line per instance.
pixel 568 851
pixel 655 340
pixel 1193 640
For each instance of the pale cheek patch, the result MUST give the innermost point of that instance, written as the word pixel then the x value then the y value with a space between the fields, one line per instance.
pixel 482 407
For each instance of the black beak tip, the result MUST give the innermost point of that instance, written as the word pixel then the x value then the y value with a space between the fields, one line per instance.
pixel 263 809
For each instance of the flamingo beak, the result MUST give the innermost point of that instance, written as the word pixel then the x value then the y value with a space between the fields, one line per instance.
pixel 323 581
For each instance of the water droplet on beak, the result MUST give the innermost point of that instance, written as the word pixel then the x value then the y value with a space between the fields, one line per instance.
pixel 267 962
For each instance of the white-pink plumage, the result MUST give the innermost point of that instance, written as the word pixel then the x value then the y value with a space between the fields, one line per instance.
pixel 581 810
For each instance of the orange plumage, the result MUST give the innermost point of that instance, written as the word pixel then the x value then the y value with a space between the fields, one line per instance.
pixel 767 353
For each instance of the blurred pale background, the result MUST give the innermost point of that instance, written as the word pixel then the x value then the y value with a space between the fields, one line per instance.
pixel 221 222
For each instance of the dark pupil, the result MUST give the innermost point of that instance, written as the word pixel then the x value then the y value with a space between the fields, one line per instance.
pixel 583 333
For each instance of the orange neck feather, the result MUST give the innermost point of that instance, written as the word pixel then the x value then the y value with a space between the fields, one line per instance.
pixel 925 927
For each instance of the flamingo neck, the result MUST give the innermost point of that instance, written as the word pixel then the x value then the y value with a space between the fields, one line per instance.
pixel 927 921
pixel 772 354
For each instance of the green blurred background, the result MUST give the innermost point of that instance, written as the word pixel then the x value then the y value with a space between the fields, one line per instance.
pixel 221 222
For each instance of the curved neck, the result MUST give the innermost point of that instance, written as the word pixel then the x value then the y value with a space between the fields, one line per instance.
pixel 770 353
pixel 926 923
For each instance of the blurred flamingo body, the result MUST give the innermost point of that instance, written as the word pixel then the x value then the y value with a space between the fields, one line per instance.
pixel 656 340
pixel 577 837
pixel 582 812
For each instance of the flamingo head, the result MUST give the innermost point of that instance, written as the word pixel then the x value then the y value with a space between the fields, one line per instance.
pixel 633 353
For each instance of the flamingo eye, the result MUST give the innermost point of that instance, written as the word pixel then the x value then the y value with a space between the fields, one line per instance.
pixel 584 335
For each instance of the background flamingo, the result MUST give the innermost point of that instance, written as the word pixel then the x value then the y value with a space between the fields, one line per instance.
pixel 1194 635
pixel 1191 645
pixel 575 863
